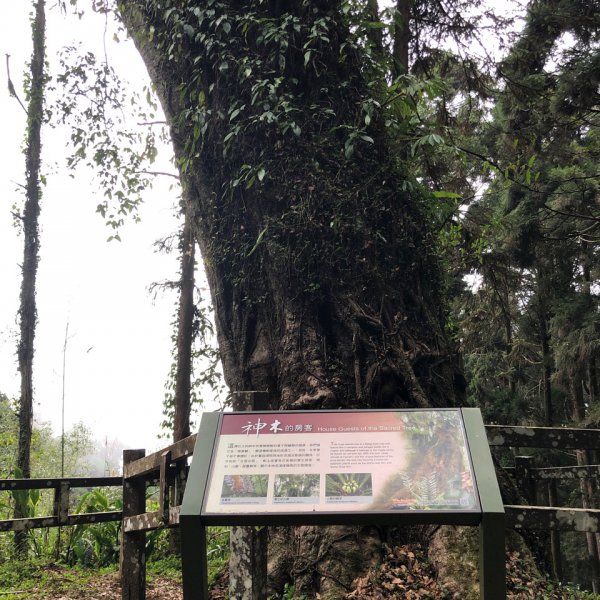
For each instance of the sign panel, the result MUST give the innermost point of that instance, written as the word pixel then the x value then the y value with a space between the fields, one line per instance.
pixel 341 461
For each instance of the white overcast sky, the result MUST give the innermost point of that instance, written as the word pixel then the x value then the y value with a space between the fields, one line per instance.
pixel 118 353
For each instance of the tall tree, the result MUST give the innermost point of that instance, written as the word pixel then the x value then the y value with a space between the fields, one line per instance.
pixel 185 334
pixel 27 310
pixel 544 203
pixel 321 265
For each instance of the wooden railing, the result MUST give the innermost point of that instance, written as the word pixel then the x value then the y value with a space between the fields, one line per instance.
pixel 163 468
pixel 167 469
pixel 556 438
pixel 554 518
pixel 62 491
pixel 171 464
pixel 137 470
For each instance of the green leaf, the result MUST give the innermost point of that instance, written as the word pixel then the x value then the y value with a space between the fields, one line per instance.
pixel 445 194
pixel 258 241
pixel 34 496
pixel 261 174
pixel 307 56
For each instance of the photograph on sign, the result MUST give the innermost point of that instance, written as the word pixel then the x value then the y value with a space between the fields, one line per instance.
pixel 296 488
pixel 337 461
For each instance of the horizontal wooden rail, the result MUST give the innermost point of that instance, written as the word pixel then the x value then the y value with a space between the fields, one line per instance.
pixel 574 472
pixel 151 520
pixel 149 464
pixel 41 522
pixel 143 470
pixel 543 437
pixel 517 517
pixel 10 485
pixel 547 517
pixel 62 487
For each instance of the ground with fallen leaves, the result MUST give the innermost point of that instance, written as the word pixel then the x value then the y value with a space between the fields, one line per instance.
pixel 59 584
pixel 405 574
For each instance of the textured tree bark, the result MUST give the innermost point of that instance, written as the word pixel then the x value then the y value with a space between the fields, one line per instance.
pixel 591 539
pixel 547 408
pixel 132 563
pixel 27 309
pixel 183 375
pixel 247 573
pixel 586 264
pixel 185 333
pixel 248 545
pixel 322 270
pixel 323 289
pixel 402 35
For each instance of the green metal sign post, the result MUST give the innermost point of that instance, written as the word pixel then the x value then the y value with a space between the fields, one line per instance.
pixel 492 575
pixel 349 467
pixel 191 526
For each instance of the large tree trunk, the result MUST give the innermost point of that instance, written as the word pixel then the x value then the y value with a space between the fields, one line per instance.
pixel 31 243
pixel 321 266
pixel 322 273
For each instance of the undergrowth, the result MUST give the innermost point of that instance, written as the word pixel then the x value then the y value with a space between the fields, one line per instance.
pixel 406 573
pixel 20 579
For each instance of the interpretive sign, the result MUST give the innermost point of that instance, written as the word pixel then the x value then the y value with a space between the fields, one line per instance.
pixel 371 467
pixel 336 461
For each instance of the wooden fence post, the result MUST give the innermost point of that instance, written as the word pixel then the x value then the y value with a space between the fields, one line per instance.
pixel 61 502
pixel 587 502
pixel 555 534
pixel 176 499
pixel 525 482
pixel 163 486
pixel 61 510
pixel 133 556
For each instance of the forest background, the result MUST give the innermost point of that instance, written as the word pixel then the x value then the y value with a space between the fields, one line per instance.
pixel 505 142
